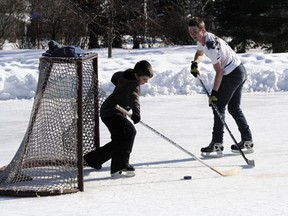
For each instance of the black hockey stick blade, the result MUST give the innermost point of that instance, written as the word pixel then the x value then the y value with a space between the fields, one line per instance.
pixel 249 162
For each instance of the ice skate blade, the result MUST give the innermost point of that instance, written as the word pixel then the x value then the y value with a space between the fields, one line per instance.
pixel 245 151
pixel 122 174
pixel 212 154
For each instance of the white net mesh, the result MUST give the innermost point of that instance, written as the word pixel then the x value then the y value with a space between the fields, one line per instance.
pixel 64 125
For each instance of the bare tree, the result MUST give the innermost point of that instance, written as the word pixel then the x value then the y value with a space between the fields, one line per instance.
pixel 56 20
pixel 111 16
pixel 12 19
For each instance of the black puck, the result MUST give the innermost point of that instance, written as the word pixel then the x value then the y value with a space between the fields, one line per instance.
pixel 187 177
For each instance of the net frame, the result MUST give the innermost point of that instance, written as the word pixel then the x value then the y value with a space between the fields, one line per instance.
pixel 63 126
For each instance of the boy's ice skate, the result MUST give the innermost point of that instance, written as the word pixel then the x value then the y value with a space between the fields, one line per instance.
pixel 128 171
pixel 245 146
pixel 213 150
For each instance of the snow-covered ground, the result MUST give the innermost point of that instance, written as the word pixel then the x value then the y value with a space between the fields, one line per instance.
pixel 173 105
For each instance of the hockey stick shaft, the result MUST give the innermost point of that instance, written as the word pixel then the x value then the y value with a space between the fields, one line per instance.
pixel 220 172
pixel 215 108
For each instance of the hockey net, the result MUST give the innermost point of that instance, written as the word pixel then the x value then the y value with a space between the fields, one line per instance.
pixel 63 126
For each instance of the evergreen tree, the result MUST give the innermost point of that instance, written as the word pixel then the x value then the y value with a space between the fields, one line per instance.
pixel 172 20
pixel 249 23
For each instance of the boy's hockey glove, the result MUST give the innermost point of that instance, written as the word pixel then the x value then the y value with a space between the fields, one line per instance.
pixel 135 117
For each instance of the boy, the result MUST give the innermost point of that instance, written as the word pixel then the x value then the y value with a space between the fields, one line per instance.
pixel 126 94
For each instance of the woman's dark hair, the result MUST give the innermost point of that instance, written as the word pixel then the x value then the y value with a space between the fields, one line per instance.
pixel 143 68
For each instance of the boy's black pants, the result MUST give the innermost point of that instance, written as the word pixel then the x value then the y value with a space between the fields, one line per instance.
pixel 123 134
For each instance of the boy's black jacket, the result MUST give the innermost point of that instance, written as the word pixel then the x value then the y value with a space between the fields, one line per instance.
pixel 126 94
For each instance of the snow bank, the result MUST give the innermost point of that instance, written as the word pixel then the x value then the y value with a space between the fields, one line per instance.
pixel 266 72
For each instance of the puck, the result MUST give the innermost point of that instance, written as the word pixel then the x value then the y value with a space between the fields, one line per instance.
pixel 187 177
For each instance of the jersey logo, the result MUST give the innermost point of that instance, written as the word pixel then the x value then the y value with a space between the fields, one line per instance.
pixel 211 44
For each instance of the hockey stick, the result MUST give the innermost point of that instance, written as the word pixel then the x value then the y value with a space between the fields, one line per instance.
pixel 220 172
pixel 215 108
